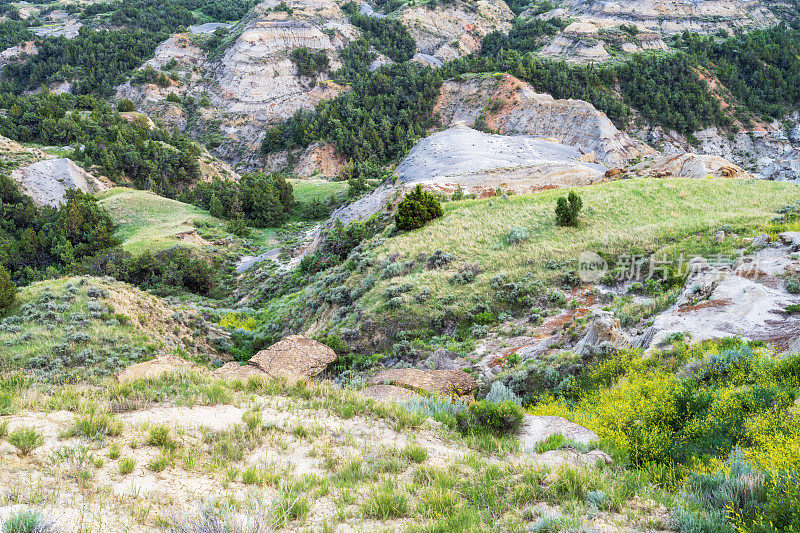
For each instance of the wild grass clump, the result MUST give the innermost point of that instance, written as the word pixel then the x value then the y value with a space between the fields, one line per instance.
pixel 25 440
pixel 28 521
pixel 384 502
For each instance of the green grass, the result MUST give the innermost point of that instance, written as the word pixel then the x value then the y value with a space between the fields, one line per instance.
pixel 309 189
pixel 147 221
pixel 618 217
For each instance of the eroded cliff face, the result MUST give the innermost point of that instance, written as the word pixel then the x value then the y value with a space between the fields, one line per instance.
pixel 670 16
pixel 511 107
pixel 587 41
pixel 455 30
pixel 250 84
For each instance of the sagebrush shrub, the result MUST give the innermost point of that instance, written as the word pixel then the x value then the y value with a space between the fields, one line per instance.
pixel 494 418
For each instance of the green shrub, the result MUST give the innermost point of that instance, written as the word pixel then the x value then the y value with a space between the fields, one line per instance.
pixel 792 309
pixel 126 465
pixel 417 209
pixel 793 287
pixel 310 63
pixel 568 209
pixel 125 106
pixel 160 436
pixel 8 290
pixel 489 417
pixel 25 440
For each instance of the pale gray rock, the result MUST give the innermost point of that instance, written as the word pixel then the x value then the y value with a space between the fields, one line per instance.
pixel 536 429
pixel 48 181
pixel 523 111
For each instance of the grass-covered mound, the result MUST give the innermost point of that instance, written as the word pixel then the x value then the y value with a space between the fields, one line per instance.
pixel 84 328
pixel 146 221
pixel 720 420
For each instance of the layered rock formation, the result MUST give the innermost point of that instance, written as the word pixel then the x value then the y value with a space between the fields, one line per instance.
pixel 457 29
pixel 253 82
pixel 671 16
pixel 511 107
pixel 748 300
pixel 689 165
pixel 595 41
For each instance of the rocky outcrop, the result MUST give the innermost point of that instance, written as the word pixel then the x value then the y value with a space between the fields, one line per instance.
pixel 480 163
pixel 161 366
pixel 295 357
pixel 593 41
pixel 536 429
pixel 455 29
pixel 443 382
pixel 670 16
pixel 511 107
pixel 48 181
pixel 605 328
pixel 689 165
pixel 748 300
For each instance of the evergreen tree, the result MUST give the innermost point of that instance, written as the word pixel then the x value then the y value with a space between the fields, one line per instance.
pixel 8 290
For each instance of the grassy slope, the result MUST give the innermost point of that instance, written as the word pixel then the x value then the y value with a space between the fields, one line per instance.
pixel 307 190
pixel 149 222
pixel 618 217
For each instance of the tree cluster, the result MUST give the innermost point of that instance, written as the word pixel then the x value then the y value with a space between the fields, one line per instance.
pixel 154 159
pixel 387 35
pixel 259 199
pixel 45 241
pixel 380 118
pixel 310 63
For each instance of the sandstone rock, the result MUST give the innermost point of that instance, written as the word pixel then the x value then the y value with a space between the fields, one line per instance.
pixel 526 112
pixel 473 159
pixel 161 366
pixel 689 165
pixel 794 135
pixel 572 458
pixel 444 382
pixel 536 429
pixel 47 182
pixel 233 370
pixel 295 357
pixel 605 327
pixel 388 393
pixel 749 301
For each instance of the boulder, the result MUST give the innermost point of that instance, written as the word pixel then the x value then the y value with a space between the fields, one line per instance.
pixel 791 238
pixel 536 429
pixel 161 366
pixel 444 382
pixel 760 241
pixel 295 357
pixel 388 393
pixel 234 370
pixel 794 135
pixel 605 327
